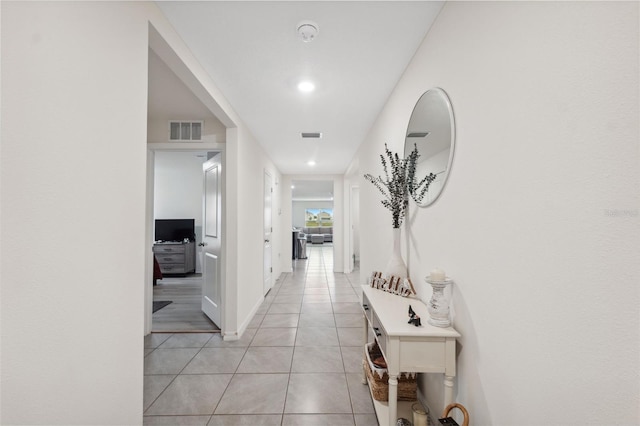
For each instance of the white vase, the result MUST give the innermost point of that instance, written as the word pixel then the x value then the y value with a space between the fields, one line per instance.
pixel 396 265
pixel 438 306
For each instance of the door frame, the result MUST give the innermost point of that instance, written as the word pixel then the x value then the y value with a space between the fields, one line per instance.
pixel 354 195
pixel 264 210
pixel 152 148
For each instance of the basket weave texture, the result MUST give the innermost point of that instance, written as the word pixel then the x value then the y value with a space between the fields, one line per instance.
pixel 407 384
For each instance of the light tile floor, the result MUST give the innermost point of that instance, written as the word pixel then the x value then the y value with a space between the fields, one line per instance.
pixel 298 363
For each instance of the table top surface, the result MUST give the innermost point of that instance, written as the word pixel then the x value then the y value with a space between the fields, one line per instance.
pixel 393 312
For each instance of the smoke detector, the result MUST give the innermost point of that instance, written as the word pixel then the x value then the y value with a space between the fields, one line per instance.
pixel 308 31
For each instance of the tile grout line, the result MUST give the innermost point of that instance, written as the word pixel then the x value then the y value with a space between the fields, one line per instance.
pixel 176 376
pixel 311 272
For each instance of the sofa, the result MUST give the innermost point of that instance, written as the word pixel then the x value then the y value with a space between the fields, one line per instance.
pixel 319 235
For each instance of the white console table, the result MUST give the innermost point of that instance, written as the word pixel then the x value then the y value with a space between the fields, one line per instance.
pixel 425 349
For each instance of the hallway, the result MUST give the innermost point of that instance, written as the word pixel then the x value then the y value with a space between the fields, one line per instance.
pixel 298 362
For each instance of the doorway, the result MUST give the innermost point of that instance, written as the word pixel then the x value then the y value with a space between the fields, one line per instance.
pixel 177 189
pixel 312 215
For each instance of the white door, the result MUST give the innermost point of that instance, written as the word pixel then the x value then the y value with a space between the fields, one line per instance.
pixel 212 241
pixel 268 228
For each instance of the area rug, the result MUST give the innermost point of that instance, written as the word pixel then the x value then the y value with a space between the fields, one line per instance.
pixel 160 304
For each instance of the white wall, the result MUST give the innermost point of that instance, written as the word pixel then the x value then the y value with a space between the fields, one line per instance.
pixel 351 181
pixel 252 162
pixel 539 222
pixel 299 208
pixel 178 188
pixel 213 131
pixel 76 183
pixel 174 92
pixel 74 83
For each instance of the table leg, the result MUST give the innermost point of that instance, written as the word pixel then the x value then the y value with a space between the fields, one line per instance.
pixel 365 335
pixel 448 390
pixel 393 400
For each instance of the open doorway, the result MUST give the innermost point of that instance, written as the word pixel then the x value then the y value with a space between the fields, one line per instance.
pixel 312 216
pixel 178 254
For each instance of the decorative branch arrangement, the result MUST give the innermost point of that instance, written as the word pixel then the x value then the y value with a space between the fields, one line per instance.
pixel 399 183
pixel 414 189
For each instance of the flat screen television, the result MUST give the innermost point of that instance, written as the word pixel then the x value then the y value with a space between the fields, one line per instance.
pixel 175 229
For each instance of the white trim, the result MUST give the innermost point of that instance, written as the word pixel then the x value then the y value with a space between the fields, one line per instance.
pixel 152 148
pixel 349 219
pixel 148 253
pixel 186 146
pixel 266 174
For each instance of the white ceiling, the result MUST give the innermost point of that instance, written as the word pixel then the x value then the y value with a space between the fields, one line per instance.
pixel 255 57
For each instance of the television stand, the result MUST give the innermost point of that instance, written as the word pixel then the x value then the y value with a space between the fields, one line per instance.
pixel 176 257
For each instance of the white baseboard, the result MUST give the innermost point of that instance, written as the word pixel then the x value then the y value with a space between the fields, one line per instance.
pixel 249 318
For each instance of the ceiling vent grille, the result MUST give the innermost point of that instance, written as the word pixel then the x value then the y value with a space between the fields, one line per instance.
pixel 417 134
pixel 311 135
pixel 185 131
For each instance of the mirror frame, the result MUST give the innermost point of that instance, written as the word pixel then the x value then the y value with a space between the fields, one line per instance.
pixel 407 149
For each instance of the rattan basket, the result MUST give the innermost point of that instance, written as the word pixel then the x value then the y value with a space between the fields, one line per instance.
pixel 407 384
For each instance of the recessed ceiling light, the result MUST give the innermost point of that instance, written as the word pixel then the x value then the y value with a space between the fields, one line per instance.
pixel 306 86
pixel 293 186
pixel 311 163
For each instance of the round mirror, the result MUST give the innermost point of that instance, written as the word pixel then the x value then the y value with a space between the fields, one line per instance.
pixel 431 131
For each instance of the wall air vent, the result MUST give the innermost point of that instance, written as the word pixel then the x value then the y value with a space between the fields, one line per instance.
pixel 185 131
pixel 311 135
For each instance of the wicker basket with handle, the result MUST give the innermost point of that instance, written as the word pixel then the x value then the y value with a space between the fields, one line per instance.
pixel 447 410
pixel 407 384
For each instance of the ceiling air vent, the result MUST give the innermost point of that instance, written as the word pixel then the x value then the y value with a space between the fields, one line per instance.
pixel 185 131
pixel 417 134
pixel 311 135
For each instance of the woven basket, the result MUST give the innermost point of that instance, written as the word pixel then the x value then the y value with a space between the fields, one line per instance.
pixel 407 385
